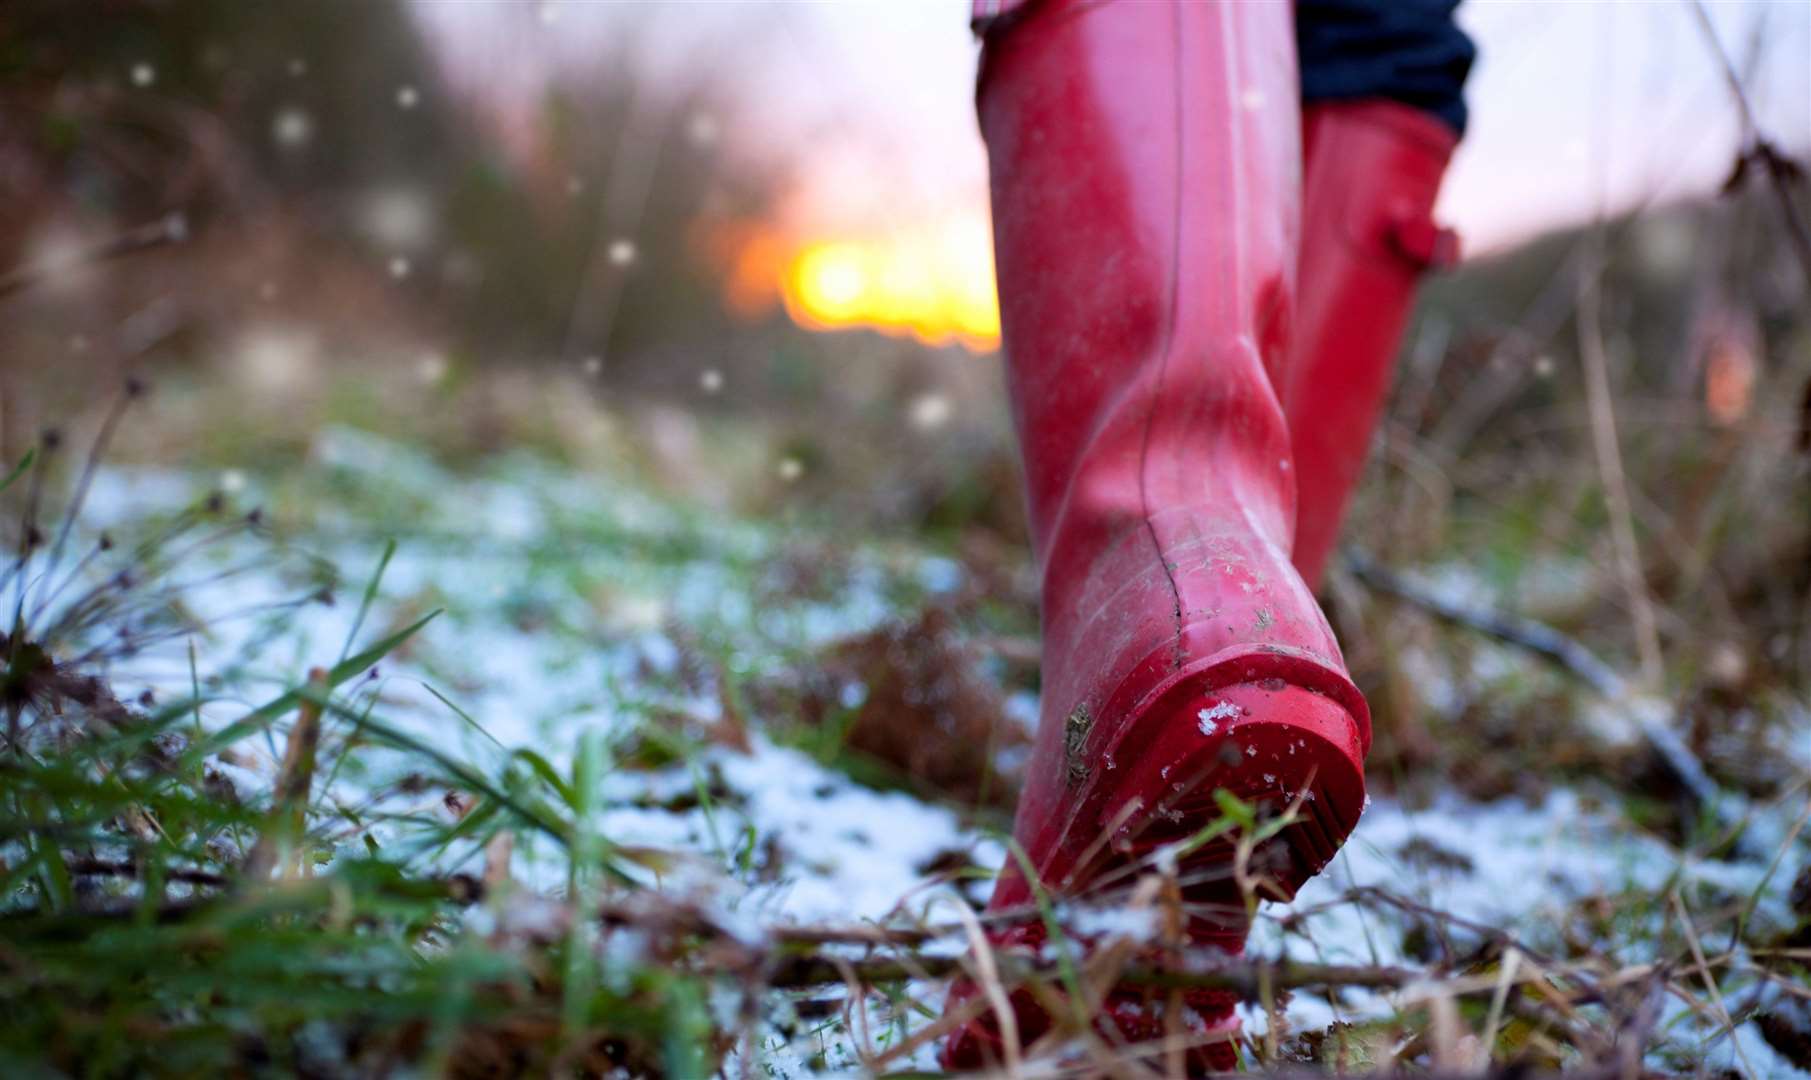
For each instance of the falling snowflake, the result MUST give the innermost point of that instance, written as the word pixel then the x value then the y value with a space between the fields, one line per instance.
pixel 298 67
pixel 275 357
pixel 930 411
pixel 292 127
pixel 397 218
pixel 701 128
pixel 59 255
pixel 399 268
pixel 592 365
pixel 407 97
pixel 232 481
pixel 143 75
pixel 710 380
pixel 791 469
pixel 431 369
pixel 622 252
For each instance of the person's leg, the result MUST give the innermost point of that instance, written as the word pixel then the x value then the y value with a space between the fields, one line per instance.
pixel 1144 164
pixel 1382 85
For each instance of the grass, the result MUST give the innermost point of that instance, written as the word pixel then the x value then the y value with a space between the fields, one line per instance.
pixel 514 768
pixel 161 918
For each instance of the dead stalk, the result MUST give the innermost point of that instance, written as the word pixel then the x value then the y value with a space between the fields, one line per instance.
pixel 987 975
pixel 290 804
pixel 1710 982
pixel 1608 448
pixel 1512 959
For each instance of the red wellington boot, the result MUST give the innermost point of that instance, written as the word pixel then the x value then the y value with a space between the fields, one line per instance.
pixel 1144 162
pixel 1372 171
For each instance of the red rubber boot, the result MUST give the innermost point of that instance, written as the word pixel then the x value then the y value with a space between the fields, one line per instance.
pixel 1373 169
pixel 1144 163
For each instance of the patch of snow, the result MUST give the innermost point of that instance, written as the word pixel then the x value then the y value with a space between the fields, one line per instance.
pixel 1526 864
pixel 1133 924
pixel 862 846
pixel 840 852
pixel 1210 717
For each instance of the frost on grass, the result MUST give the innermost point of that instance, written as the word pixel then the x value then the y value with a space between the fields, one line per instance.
pixel 565 614
pixel 589 606
pixel 786 839
pixel 1513 869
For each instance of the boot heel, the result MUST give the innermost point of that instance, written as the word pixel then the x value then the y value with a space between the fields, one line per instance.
pixel 1270 743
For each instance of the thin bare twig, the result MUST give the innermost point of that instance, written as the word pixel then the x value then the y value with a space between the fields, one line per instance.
pixel 1608 448
pixel 1244 977
pixel 1552 645
pixel 170 229
pixel 1512 960
pixel 293 784
pixel 1758 150
pixel 1710 982
pixel 987 975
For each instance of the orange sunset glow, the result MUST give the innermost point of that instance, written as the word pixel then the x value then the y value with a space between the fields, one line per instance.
pixel 935 284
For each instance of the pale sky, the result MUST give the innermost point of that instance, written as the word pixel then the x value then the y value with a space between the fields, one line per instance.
pixel 1574 104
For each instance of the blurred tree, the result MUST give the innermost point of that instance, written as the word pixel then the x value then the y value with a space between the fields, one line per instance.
pixel 570 232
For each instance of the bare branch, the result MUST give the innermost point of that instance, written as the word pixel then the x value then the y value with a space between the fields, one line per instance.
pixel 170 229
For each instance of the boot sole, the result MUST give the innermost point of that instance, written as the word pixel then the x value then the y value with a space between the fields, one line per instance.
pixel 1269 742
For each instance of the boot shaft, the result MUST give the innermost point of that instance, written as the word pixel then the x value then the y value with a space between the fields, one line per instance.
pixel 1144 165
pixel 1373 171
pixel 1144 170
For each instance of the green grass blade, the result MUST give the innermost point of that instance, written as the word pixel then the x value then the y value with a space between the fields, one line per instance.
pixel 364 605
pixel 19 469
pixel 283 703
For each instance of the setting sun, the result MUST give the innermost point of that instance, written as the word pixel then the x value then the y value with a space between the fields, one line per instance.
pixel 937 286
pixel 938 291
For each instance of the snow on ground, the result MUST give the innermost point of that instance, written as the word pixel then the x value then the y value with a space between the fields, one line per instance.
pixel 562 597
pixel 1507 865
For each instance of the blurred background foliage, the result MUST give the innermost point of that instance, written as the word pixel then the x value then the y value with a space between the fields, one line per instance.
pixel 364 241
